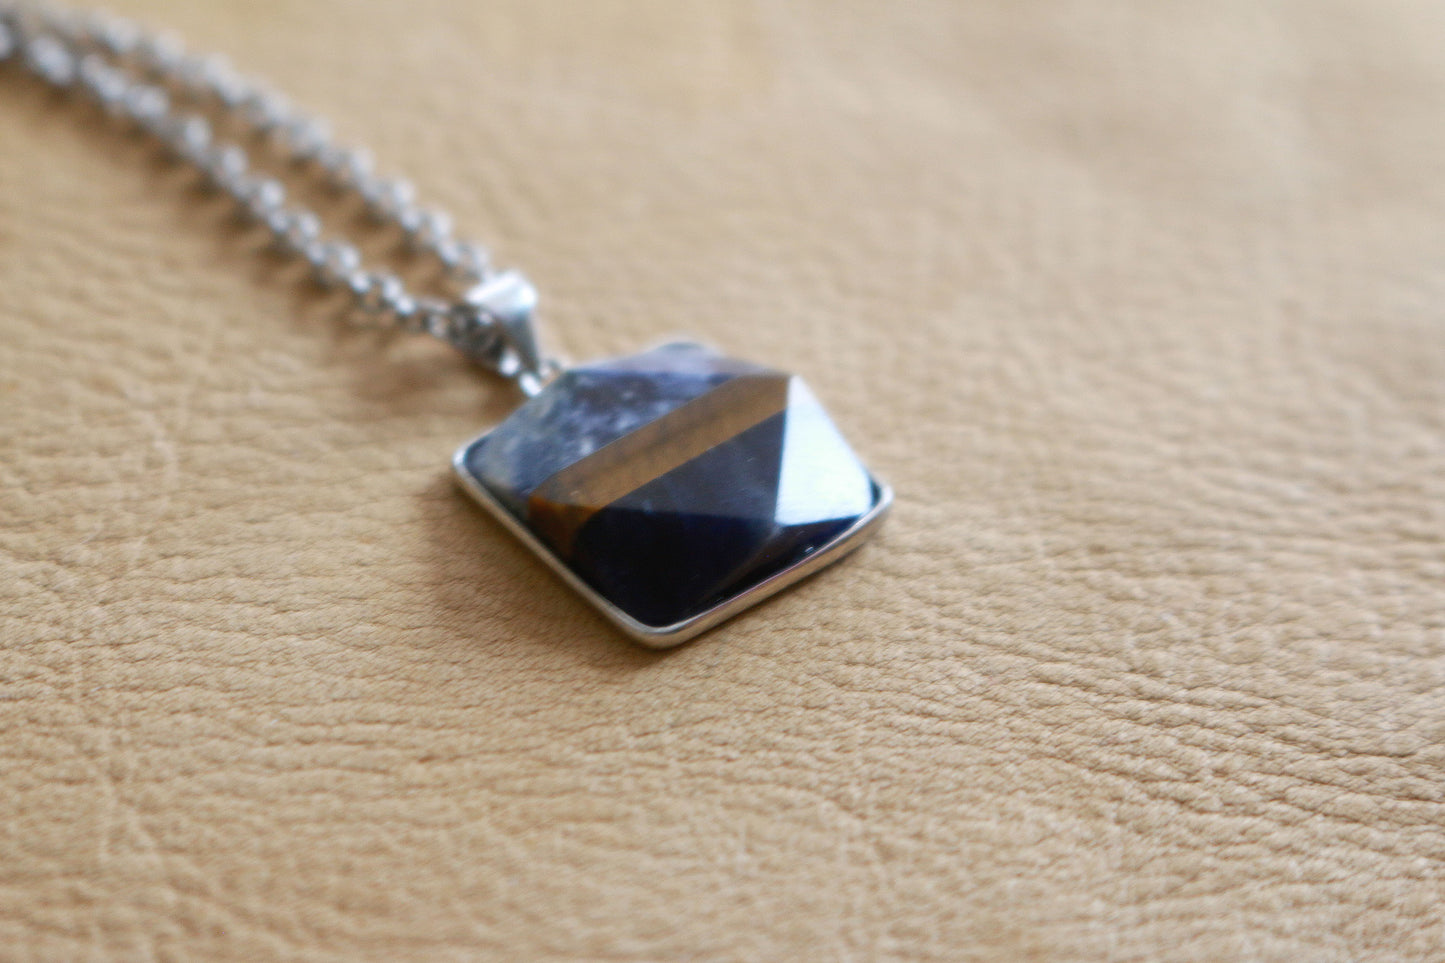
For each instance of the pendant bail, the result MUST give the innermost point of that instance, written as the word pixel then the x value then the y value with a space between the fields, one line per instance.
pixel 499 330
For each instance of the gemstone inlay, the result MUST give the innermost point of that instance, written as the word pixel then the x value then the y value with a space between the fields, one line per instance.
pixel 676 481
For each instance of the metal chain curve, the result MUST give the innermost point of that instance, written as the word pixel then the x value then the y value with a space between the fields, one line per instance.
pixel 153 82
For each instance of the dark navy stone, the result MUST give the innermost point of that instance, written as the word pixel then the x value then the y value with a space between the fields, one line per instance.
pixel 673 481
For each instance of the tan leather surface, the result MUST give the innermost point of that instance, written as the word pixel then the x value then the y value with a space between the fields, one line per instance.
pixel 1140 307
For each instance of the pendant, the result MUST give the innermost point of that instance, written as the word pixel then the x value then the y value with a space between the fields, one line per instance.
pixel 675 488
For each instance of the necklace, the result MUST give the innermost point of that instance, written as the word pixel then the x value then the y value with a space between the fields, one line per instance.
pixel 672 488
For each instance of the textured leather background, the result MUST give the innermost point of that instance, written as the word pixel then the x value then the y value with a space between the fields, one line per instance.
pixel 1140 306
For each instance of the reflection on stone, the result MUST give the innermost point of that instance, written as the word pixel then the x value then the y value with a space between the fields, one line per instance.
pixel 675 480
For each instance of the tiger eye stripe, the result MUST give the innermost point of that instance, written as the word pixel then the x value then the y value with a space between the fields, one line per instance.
pixel 562 504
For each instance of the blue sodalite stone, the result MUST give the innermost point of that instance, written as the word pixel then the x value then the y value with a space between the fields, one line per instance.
pixel 675 480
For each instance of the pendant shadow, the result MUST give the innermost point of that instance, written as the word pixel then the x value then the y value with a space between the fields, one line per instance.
pixel 484 577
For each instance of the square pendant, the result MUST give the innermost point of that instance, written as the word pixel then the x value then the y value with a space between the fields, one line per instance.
pixel 675 488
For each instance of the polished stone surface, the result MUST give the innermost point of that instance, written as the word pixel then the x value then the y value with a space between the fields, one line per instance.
pixel 675 480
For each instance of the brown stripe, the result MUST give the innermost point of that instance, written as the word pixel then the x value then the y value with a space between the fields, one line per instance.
pixel 562 504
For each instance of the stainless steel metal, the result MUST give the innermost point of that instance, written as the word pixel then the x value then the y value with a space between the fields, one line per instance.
pixel 151 80
pixel 506 305
pixel 666 637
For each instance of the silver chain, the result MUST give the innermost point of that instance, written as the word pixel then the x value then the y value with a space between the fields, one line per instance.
pixel 151 81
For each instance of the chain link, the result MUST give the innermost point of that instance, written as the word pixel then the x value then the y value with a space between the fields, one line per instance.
pixel 153 82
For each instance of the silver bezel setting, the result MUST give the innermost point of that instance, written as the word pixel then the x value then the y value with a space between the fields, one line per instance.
pixel 667 636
